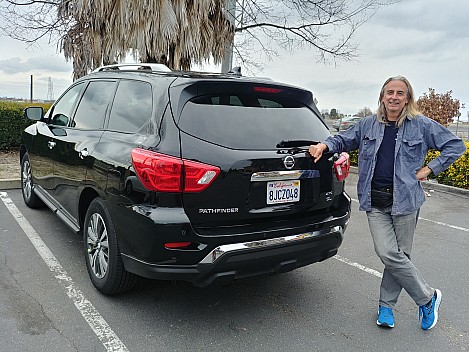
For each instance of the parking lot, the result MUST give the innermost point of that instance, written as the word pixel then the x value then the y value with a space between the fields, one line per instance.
pixel 47 302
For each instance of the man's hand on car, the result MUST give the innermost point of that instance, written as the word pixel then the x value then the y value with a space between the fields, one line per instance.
pixel 317 150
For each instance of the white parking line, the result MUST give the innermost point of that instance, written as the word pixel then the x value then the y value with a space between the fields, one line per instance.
pixel 444 224
pixel 358 266
pixel 97 323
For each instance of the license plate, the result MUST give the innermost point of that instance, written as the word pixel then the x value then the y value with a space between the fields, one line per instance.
pixel 283 191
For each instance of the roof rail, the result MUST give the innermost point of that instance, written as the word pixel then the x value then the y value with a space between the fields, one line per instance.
pixel 135 67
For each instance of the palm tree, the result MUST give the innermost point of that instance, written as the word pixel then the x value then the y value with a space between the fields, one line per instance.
pixel 176 32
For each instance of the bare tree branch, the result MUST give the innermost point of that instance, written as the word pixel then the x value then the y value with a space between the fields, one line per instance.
pixel 327 26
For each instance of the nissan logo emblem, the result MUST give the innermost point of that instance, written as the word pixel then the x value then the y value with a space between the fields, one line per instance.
pixel 289 162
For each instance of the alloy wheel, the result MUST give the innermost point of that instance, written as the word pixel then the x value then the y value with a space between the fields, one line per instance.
pixel 97 245
pixel 26 180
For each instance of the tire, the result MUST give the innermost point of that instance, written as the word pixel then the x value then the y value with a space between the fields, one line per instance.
pixel 27 184
pixel 102 255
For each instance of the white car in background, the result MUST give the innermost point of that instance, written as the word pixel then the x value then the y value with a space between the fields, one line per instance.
pixel 345 123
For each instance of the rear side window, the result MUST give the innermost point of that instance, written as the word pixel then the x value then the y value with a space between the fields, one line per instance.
pixel 132 106
pixel 93 105
pixel 250 121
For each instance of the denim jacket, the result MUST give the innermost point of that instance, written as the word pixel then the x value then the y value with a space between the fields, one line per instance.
pixel 414 138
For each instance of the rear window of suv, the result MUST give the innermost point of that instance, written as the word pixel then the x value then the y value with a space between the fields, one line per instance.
pixel 250 121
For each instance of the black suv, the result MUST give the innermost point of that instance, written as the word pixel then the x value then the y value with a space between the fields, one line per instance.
pixel 186 176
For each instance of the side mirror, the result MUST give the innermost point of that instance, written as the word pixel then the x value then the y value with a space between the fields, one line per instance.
pixel 34 113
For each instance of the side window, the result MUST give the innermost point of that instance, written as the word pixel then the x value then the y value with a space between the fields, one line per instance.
pixel 63 108
pixel 132 106
pixel 93 105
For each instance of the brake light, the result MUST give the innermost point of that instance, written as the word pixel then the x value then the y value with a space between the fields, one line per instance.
pixel 342 166
pixel 165 173
pixel 267 90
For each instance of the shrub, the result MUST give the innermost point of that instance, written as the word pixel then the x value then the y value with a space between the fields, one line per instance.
pixel 354 157
pixel 13 122
pixel 457 174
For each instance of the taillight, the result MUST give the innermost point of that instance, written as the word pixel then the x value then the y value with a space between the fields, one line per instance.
pixel 342 166
pixel 165 173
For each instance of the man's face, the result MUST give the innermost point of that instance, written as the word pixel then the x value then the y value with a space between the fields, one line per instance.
pixel 395 97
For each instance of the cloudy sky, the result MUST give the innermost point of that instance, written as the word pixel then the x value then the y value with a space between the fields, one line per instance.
pixel 425 40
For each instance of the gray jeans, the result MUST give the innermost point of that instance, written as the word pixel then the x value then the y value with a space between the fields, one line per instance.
pixel 393 236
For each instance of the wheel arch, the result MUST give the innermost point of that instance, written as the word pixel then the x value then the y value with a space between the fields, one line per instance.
pixel 86 197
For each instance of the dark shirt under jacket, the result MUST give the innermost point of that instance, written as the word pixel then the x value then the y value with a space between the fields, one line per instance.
pixel 384 170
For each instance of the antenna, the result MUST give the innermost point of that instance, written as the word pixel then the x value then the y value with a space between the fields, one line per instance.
pixel 50 90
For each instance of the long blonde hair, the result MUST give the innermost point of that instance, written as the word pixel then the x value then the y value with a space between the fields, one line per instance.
pixel 410 109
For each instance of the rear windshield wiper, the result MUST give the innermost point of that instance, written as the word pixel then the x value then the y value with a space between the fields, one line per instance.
pixel 296 143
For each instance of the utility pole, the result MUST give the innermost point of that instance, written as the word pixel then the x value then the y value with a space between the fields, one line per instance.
pixel 31 90
pixel 228 57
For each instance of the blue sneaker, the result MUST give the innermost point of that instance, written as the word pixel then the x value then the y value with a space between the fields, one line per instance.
pixel 385 317
pixel 429 312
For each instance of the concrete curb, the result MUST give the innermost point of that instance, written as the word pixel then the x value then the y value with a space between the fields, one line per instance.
pixel 10 183
pixel 15 183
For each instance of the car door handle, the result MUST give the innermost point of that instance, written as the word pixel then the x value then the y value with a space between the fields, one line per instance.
pixel 51 144
pixel 83 153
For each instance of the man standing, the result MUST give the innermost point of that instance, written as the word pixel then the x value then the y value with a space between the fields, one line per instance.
pixel 393 145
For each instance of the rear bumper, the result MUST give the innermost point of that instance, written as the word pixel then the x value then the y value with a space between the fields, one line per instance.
pixel 233 261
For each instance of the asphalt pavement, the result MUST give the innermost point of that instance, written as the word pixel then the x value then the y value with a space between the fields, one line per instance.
pixel 47 302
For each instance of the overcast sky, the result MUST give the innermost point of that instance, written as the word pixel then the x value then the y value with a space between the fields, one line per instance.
pixel 425 40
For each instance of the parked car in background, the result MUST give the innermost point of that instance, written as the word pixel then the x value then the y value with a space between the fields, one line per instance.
pixel 345 123
pixel 186 176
